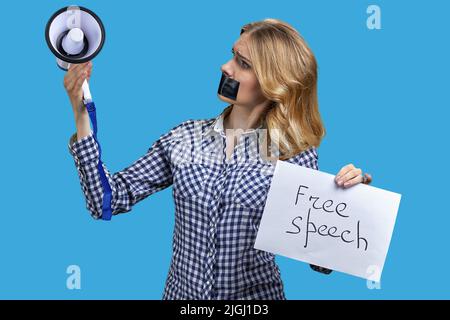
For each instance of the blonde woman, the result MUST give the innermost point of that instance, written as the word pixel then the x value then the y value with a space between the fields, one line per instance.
pixel 221 168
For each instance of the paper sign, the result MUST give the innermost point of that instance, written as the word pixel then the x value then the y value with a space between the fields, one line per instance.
pixel 309 218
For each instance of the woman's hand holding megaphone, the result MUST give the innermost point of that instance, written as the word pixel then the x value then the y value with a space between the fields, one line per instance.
pixel 73 81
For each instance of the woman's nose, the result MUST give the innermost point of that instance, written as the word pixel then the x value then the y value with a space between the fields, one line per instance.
pixel 226 69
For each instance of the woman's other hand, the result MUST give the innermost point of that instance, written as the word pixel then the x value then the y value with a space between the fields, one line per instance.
pixel 349 176
pixel 73 81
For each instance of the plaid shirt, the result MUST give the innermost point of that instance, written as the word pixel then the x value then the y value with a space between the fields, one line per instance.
pixel 218 206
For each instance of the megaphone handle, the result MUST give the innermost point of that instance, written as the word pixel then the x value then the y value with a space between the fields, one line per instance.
pixel 86 91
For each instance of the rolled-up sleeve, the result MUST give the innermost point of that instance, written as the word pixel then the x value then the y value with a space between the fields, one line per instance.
pixel 152 172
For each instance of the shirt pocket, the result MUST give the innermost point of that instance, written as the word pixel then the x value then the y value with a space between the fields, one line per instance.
pixel 189 180
pixel 252 187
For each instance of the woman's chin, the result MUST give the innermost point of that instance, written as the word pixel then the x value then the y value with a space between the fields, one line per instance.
pixel 225 99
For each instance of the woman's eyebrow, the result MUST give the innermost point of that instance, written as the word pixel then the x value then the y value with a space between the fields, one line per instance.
pixel 240 55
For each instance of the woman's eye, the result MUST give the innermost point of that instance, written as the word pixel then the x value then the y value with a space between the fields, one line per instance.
pixel 244 64
pixel 241 63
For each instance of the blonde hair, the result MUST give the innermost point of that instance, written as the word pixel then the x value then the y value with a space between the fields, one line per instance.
pixel 287 73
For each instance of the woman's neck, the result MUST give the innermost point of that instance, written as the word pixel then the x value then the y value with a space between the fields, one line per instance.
pixel 244 118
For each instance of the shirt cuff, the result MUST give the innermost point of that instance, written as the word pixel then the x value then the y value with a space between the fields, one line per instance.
pixel 84 150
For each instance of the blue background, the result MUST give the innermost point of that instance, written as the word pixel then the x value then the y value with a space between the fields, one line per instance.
pixel 382 96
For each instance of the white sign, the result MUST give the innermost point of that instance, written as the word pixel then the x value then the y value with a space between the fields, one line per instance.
pixel 309 218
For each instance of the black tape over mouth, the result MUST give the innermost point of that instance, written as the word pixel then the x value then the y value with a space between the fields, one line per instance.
pixel 228 87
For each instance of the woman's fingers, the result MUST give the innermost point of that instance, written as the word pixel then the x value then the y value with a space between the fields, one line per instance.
pixel 80 81
pixel 350 175
pixel 73 70
pixel 72 78
pixel 366 179
pixel 346 169
pixel 342 180
pixel 71 75
pixel 89 74
pixel 355 180
pixel 74 66
pixel 73 81
pixel 82 70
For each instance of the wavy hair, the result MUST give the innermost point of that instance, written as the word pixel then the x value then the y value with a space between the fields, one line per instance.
pixel 287 73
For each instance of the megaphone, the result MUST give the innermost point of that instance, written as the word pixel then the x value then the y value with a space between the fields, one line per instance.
pixel 75 35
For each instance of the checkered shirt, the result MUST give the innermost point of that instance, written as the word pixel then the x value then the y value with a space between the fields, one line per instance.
pixel 219 202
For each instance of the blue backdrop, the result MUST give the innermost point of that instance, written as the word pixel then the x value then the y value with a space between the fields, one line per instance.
pixel 382 97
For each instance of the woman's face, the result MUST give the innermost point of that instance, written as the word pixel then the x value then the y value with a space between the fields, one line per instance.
pixel 239 68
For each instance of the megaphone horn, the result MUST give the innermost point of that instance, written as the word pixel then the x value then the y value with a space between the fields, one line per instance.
pixel 75 35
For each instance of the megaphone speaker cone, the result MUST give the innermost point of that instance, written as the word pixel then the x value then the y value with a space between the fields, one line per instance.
pixel 74 35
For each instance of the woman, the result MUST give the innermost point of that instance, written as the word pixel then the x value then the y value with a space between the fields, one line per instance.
pixel 221 168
